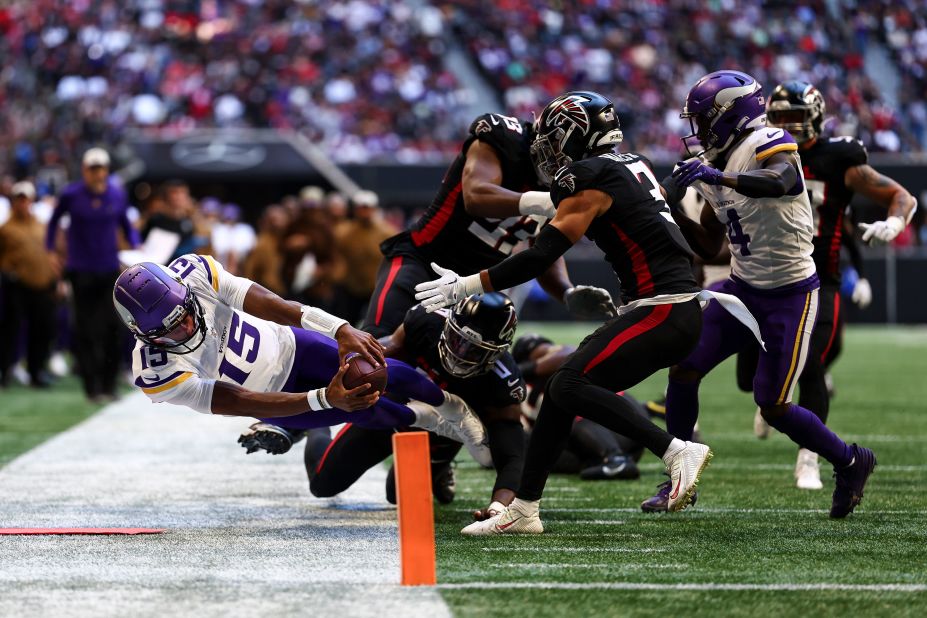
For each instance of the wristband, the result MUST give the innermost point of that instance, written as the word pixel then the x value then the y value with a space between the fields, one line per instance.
pixel 319 321
pixel 317 400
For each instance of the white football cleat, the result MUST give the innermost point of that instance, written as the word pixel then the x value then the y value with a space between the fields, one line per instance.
pixel 761 428
pixel 685 468
pixel 509 521
pixel 807 470
pixel 468 430
pixel 469 427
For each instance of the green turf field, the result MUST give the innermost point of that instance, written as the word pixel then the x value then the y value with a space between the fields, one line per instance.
pixel 29 416
pixel 751 525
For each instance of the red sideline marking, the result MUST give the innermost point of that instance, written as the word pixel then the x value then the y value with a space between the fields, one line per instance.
pixel 81 530
pixel 652 320
pixel 394 267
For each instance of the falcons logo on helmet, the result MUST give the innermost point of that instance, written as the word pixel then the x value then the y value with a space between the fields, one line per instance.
pixel 570 110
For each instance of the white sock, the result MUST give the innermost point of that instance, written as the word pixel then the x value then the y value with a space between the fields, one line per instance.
pixel 675 446
pixel 526 507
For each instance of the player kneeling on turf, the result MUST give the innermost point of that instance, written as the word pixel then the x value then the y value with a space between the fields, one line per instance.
pixel 222 344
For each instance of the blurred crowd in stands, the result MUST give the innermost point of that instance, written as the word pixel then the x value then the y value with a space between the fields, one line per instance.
pixel 646 55
pixel 368 81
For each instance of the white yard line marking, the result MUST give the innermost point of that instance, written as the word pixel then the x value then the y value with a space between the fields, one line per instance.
pixel 695 586
pixel 698 509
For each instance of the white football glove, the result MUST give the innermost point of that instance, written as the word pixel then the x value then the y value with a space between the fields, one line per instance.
pixel 537 203
pixel 589 302
pixel 862 294
pixel 447 290
pixel 882 232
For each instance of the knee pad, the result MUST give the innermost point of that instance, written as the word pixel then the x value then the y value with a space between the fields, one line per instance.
pixel 772 411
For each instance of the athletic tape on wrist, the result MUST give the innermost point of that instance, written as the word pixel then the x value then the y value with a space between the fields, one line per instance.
pixel 317 400
pixel 319 321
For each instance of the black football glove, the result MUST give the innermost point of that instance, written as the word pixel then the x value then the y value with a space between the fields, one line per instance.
pixel 589 303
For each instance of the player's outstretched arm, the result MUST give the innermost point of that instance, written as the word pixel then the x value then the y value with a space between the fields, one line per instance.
pixel 507 444
pixel 886 192
pixel 585 302
pixel 395 345
pixel 233 400
pixel 484 195
pixel 262 303
pixel 776 178
pixel 573 218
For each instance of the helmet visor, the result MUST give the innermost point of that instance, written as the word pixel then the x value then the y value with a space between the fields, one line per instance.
pixel 463 353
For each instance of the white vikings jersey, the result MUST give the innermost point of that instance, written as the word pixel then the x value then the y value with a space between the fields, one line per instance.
pixel 239 348
pixel 770 237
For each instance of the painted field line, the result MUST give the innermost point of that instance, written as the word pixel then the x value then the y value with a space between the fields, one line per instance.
pixel 609 550
pixel 699 509
pixel 574 565
pixel 747 436
pixel 708 586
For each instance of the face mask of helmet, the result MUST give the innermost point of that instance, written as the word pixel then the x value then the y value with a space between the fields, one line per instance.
pixel 178 334
pixel 546 156
pixel 463 352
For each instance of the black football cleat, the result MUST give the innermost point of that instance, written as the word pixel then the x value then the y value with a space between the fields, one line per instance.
pixel 271 438
pixel 619 467
pixel 443 483
pixel 851 481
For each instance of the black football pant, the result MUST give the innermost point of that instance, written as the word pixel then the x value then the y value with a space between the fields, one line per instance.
pixel 97 331
pixel 826 345
pixel 591 444
pixel 23 306
pixel 333 465
pixel 394 293
pixel 618 355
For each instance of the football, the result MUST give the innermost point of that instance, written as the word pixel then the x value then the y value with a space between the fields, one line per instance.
pixel 360 372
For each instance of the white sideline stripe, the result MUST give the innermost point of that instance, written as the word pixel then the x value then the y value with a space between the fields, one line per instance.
pixel 696 509
pixel 670 586
pixel 244 536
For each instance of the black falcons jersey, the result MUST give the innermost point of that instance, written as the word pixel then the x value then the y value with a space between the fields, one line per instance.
pixel 501 386
pixel 825 165
pixel 638 235
pixel 446 234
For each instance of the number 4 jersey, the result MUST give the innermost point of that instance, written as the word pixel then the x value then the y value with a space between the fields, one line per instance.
pixel 455 239
pixel 239 348
pixel 770 237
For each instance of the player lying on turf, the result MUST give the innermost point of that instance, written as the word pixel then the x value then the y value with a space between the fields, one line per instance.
pixel 223 344
pixel 834 169
pixel 615 200
pixel 752 182
pixel 593 452
pixel 466 352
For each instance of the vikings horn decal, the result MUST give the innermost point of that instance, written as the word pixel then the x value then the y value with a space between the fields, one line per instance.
pixel 570 110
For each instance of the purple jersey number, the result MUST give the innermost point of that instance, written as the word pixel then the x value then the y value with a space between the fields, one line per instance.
pixel 152 357
pixel 182 267
pixel 735 233
pixel 239 334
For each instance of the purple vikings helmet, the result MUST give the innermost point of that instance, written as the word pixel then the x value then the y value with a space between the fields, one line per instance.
pixel 572 127
pixel 153 302
pixel 720 107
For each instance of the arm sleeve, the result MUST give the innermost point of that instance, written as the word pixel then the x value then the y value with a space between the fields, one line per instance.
pixel 183 388
pixel 550 244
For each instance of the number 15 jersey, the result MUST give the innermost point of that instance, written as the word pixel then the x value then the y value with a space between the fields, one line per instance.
pixel 770 237
pixel 239 348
